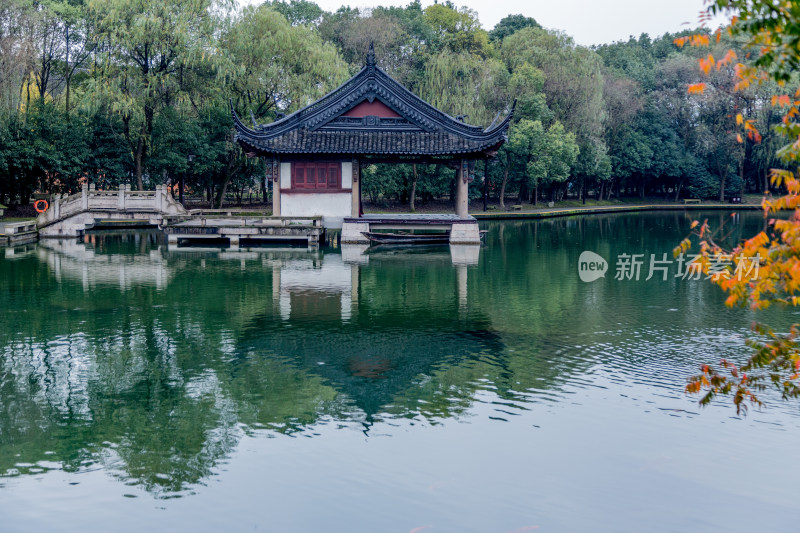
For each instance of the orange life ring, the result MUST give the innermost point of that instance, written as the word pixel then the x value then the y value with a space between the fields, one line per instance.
pixel 43 209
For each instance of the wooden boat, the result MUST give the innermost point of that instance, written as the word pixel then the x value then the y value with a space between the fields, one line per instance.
pixel 407 238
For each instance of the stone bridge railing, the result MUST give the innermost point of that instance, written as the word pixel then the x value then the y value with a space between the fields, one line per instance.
pixel 123 200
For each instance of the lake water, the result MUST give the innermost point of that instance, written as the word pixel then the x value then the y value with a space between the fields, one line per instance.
pixel 290 390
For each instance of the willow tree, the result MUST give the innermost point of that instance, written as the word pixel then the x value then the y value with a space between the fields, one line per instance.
pixel 465 85
pixel 146 48
pixel 276 67
pixel 273 68
pixel 17 52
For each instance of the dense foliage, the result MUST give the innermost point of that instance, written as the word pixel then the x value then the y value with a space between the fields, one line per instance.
pixel 771 34
pixel 116 91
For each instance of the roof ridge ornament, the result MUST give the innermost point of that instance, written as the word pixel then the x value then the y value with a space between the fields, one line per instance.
pixel 371 55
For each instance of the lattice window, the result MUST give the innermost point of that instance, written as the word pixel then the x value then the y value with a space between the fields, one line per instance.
pixel 316 175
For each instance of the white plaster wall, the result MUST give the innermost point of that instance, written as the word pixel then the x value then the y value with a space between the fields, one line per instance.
pixel 331 276
pixel 286 178
pixel 333 207
pixel 347 175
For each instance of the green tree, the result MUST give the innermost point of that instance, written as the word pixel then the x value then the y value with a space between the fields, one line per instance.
pixel 463 84
pixel 147 48
pixel 298 11
pixel 573 87
pixel 458 30
pixel 273 68
pixel 511 24
pixel 536 156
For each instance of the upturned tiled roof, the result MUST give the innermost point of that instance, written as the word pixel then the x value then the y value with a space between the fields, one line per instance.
pixel 321 128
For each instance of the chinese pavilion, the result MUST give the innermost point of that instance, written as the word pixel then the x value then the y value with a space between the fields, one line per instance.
pixel 315 154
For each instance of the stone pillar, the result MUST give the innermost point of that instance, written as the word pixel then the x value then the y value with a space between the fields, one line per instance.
pixel 121 203
pixel 274 174
pixel 462 195
pixel 276 285
pixel 461 282
pixel 159 198
pixel 355 198
pixel 355 270
pixel 85 197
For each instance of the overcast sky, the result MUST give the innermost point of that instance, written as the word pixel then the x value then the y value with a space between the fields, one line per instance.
pixel 588 21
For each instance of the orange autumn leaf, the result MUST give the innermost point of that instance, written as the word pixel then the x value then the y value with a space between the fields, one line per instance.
pixel 693 40
pixel 752 132
pixel 697 88
pixel 700 40
pixel 706 63
pixel 730 56
pixel 782 99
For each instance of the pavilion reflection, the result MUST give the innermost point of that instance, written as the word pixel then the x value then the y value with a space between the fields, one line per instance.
pixel 308 280
pixel 159 388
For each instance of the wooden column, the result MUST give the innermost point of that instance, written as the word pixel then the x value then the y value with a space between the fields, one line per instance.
pixel 274 175
pixel 355 198
pixel 462 195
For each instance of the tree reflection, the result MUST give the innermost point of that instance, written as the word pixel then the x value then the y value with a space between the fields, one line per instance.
pixel 152 364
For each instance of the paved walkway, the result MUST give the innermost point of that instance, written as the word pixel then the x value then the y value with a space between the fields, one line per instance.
pixel 580 210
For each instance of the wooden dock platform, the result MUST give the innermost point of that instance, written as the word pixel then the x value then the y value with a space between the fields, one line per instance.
pixel 239 231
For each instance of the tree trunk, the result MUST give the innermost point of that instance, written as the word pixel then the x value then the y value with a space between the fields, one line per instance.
pixel 503 189
pixel 69 77
pixel 233 168
pixel 583 190
pixel 413 188
pixel 536 193
pixel 722 188
pixel 741 178
pixel 221 193
pixel 139 156
pixel 68 73
pixel 678 189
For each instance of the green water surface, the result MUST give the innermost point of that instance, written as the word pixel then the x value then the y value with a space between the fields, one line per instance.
pixel 389 390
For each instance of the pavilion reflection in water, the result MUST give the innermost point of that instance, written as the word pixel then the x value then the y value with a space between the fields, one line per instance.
pixel 320 349
pixel 302 277
pixel 314 292
pixel 127 340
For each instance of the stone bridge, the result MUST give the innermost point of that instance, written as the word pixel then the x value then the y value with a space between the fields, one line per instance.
pixel 69 216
